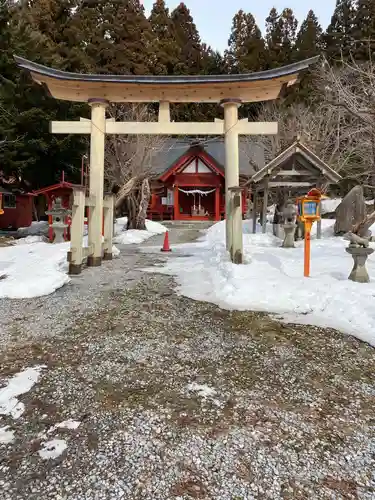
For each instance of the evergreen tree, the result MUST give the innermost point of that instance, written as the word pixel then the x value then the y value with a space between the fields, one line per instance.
pixel 188 40
pixel 309 38
pixel 246 50
pixel 213 62
pixel 274 39
pixel 31 150
pixel 308 44
pixel 289 26
pixel 114 36
pixel 364 30
pixel 339 35
pixel 166 50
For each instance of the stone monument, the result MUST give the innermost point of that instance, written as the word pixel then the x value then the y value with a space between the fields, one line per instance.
pixel 351 211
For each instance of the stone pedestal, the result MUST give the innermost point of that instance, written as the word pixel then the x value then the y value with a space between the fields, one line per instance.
pixel 289 230
pixel 59 229
pixel 359 272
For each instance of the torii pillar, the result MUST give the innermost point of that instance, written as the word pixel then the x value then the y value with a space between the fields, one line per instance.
pixel 233 214
pixel 96 185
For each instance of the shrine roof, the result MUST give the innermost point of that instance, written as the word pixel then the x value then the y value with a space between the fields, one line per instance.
pixel 302 154
pixel 168 156
pixel 249 87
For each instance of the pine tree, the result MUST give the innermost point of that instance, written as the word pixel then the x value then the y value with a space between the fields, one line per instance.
pixel 364 30
pixel 309 38
pixel 246 50
pixel 166 50
pixel 188 40
pixel 339 35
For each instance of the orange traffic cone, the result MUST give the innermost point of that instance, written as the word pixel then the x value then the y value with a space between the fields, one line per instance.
pixel 166 247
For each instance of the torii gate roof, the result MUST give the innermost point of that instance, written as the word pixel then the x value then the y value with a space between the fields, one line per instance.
pixel 248 87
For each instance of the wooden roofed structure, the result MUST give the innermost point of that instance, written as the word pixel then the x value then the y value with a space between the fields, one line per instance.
pixel 295 170
pixel 248 87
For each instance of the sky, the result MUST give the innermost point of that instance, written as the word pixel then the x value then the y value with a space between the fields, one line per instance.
pixel 213 18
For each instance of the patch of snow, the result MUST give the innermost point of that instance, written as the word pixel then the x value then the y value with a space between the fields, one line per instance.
pixel 136 236
pixel 329 205
pixel 6 436
pixel 204 391
pixel 67 424
pixel 19 384
pixel 29 240
pixel 34 269
pixel 52 449
pixel 271 280
pixel 39 228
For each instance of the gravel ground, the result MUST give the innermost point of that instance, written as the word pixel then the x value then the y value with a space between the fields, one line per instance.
pixel 179 399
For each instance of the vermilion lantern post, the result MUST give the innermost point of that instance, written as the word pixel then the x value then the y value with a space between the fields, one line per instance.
pixel 308 213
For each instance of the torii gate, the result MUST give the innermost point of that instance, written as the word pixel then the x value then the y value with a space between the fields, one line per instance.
pixel 228 90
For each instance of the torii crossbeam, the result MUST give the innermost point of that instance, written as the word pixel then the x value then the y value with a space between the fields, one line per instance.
pixel 228 90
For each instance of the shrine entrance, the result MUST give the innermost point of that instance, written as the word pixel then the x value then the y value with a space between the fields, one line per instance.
pixel 100 90
pixel 196 204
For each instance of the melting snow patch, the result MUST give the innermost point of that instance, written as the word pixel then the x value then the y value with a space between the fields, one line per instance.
pixel 67 424
pixel 204 391
pixel 52 449
pixel 6 436
pixel 19 384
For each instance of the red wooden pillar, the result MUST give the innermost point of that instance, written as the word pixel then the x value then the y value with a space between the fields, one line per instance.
pixel 244 201
pixel 176 207
pixel 217 204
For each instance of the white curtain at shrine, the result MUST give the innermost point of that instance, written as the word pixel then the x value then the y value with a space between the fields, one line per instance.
pixel 198 192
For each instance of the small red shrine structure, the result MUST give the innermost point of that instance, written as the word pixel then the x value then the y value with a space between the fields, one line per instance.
pixel 16 203
pixel 192 187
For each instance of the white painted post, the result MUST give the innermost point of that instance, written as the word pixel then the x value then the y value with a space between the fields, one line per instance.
pixel 75 255
pixel 98 130
pixel 109 203
pixel 234 245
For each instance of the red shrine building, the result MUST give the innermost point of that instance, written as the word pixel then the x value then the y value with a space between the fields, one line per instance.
pixel 189 180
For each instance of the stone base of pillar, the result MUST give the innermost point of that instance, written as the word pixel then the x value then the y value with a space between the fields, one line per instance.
pixel 107 256
pixel 94 261
pixel 359 272
pixel 237 257
pixel 75 268
pixel 289 230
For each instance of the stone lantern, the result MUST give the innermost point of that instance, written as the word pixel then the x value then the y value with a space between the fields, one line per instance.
pixel 58 214
pixel 289 214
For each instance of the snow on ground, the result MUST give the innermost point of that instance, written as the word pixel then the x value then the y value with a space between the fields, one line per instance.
pixel 67 424
pixel 33 267
pixel 135 236
pixel 52 449
pixel 329 205
pixel 19 384
pixel 37 228
pixel 271 279
pixel 203 391
pixel 6 435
